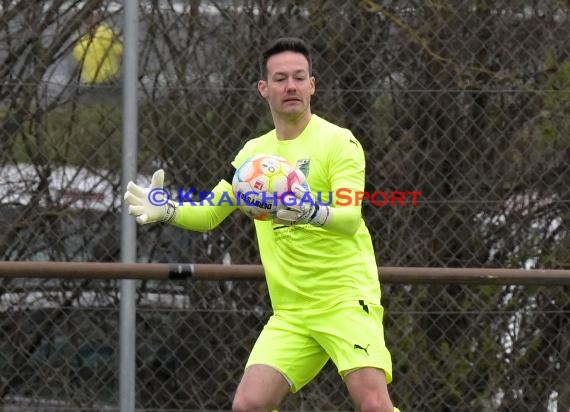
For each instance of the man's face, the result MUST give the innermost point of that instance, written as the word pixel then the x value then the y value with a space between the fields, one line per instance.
pixel 289 86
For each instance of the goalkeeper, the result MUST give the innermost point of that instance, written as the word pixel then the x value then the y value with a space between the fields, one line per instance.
pixel 318 260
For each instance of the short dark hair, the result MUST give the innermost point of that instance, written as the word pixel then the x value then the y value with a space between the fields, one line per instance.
pixel 283 44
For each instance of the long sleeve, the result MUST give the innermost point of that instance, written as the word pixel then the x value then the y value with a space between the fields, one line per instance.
pixel 207 215
pixel 345 220
pixel 347 165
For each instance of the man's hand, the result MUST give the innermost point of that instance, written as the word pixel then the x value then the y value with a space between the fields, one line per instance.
pixel 150 204
pixel 303 208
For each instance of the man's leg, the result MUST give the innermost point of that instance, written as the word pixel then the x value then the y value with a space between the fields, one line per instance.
pixel 353 336
pixel 369 390
pixel 284 359
pixel 262 389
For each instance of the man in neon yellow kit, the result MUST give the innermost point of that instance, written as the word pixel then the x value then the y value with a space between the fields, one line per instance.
pixel 318 260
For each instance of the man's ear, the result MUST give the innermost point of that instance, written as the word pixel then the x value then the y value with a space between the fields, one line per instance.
pixel 313 85
pixel 262 87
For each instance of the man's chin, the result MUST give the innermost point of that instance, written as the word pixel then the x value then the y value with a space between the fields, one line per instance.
pixel 292 114
pixel 293 110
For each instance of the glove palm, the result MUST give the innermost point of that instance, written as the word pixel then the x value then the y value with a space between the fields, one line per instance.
pixel 141 206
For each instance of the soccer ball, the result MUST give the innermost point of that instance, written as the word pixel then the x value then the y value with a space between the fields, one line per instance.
pixel 260 182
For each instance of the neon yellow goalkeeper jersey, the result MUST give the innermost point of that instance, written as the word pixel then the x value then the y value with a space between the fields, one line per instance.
pixel 309 267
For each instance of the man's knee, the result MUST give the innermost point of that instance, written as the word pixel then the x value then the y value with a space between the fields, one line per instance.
pixel 375 404
pixel 249 402
pixel 241 404
pixel 245 403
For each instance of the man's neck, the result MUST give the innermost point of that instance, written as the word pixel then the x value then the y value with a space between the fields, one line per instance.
pixel 291 128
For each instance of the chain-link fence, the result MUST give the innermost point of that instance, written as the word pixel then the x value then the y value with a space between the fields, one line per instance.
pixel 465 101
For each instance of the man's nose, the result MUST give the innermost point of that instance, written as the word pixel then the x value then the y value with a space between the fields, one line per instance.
pixel 290 84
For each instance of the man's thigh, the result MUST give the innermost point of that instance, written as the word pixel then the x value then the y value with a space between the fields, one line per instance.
pixel 261 388
pixel 286 345
pixel 368 387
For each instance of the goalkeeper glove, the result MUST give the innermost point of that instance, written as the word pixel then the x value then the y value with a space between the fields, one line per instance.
pixel 151 204
pixel 305 209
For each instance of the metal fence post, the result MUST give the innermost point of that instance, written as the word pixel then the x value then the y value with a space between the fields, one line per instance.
pixel 128 228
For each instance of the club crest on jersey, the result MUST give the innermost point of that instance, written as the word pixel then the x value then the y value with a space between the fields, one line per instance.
pixel 303 166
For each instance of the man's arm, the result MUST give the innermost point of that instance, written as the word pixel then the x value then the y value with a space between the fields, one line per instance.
pixel 347 169
pixel 196 216
pixel 209 213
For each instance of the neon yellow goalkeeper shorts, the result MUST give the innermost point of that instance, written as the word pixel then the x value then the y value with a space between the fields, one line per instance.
pixel 298 344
